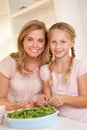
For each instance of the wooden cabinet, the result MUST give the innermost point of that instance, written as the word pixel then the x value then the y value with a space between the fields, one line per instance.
pixel 21 11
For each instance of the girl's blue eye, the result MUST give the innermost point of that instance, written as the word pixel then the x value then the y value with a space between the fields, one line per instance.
pixel 53 42
pixel 63 41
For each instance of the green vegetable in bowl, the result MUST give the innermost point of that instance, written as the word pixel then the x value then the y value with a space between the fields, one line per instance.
pixel 32 112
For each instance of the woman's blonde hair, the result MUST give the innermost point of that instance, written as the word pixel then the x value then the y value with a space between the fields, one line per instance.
pixel 70 30
pixel 21 56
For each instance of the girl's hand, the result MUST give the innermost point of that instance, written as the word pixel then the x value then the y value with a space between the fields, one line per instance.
pixel 41 100
pixel 56 100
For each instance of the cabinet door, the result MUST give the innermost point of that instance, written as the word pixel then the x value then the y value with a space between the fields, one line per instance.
pixel 22 11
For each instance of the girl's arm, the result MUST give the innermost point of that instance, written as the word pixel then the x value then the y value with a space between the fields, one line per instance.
pixel 46 89
pixel 79 101
pixel 42 100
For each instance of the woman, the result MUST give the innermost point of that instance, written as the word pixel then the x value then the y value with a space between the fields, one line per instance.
pixel 19 72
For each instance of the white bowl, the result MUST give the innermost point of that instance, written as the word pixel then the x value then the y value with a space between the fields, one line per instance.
pixel 33 123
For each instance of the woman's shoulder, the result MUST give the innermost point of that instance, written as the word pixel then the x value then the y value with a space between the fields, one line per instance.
pixel 7 66
pixel 7 62
pixel 7 59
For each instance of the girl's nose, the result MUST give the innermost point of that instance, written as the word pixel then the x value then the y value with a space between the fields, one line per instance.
pixel 58 45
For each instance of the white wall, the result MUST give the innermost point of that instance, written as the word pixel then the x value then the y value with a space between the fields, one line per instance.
pixel 6 41
pixel 83 10
pixel 3 9
pixel 70 12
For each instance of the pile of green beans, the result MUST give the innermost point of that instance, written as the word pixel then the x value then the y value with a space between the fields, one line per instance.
pixel 32 112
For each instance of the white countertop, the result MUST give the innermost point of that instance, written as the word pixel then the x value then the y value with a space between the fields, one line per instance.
pixel 62 124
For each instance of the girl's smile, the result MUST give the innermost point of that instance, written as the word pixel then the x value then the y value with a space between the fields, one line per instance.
pixel 60 43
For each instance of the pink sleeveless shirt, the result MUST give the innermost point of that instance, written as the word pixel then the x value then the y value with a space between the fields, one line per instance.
pixel 69 88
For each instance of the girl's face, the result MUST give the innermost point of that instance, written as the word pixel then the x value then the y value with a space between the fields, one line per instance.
pixel 34 43
pixel 60 43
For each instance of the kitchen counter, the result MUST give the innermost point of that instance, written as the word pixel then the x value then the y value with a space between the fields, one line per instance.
pixel 62 124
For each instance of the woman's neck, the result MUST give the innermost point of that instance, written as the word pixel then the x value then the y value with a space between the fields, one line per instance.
pixel 33 64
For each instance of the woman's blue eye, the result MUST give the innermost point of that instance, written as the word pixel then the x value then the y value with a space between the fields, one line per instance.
pixel 29 39
pixel 41 41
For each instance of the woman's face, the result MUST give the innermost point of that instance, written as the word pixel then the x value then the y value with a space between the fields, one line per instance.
pixel 34 43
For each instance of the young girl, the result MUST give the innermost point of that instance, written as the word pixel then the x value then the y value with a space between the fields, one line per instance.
pixel 65 77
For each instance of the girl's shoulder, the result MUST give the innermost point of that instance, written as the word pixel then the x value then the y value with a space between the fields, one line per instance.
pixel 80 63
pixel 44 72
pixel 79 67
pixel 44 67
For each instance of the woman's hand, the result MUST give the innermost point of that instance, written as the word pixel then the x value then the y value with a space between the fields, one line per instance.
pixel 56 100
pixel 19 105
pixel 10 106
pixel 41 100
pixel 28 104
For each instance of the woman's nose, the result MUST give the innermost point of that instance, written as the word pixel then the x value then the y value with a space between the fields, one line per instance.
pixel 35 44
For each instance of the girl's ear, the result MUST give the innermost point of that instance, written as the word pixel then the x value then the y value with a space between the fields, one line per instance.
pixel 73 44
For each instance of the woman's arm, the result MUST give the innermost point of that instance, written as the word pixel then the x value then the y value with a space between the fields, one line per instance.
pixel 4 87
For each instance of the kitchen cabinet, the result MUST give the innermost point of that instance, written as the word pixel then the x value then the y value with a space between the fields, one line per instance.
pixel 21 11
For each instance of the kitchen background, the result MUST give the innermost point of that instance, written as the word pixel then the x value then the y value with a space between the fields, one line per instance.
pixel 50 11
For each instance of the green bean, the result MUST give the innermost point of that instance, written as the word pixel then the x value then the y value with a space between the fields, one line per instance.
pixel 32 112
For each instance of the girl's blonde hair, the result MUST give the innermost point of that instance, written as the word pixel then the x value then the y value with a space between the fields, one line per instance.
pixel 21 56
pixel 70 30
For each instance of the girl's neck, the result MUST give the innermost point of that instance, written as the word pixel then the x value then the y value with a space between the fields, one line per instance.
pixel 61 65
pixel 63 60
